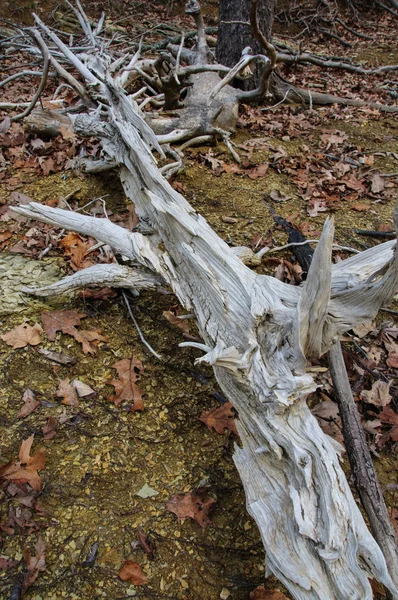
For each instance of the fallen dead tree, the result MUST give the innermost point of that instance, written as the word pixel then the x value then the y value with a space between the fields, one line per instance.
pixel 258 334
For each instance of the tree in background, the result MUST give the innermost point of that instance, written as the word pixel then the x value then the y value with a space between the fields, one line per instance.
pixel 235 32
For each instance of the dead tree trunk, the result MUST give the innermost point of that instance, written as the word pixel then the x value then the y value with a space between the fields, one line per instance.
pixel 258 334
pixel 234 31
pixel 235 34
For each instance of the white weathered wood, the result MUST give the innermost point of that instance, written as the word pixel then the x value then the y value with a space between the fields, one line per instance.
pixel 257 333
pixel 112 275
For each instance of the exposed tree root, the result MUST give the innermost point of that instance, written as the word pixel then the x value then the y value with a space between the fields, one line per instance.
pixel 282 89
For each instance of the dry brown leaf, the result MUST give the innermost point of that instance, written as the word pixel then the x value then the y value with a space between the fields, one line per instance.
pixel 353 183
pixel 129 371
pixel 34 564
pixel 67 321
pixel 7 563
pixel 378 183
pixel 68 393
pixel 327 414
pixel 82 389
pixel 389 417
pixel 23 335
pixel 361 206
pixel 326 410
pixel 277 196
pixel 392 349
pixel 76 248
pixel 132 571
pixel 145 543
pixel 47 165
pixel 379 395
pixel 195 505
pixel 260 593
pixel 257 172
pixel 49 430
pixel 220 418
pixel 335 138
pixel 172 315
pixel 29 405
pixel 25 470
pixel 67 132
pixel 101 294
pixel 86 339
pixel 61 320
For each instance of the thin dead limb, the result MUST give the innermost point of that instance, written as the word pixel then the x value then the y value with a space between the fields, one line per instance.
pixel 362 469
pixel 43 82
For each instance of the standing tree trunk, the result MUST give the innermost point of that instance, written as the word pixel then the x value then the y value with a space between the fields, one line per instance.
pixel 234 35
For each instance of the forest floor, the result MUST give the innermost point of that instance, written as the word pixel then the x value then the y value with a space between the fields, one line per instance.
pixel 93 509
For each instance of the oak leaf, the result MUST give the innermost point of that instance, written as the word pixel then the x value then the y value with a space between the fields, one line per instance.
pixel 34 564
pixel 25 470
pixel 361 206
pixel 257 172
pixel 76 248
pixel 67 321
pixel 195 505
pixel 377 183
pixel 173 317
pixel 126 388
pixel 82 389
pixel 379 395
pixel 220 418
pixel 89 339
pixel 392 349
pixel 49 430
pixel 132 571
pixel 61 320
pixel 389 417
pixel 145 543
pixel 23 335
pixel 67 391
pixel 29 405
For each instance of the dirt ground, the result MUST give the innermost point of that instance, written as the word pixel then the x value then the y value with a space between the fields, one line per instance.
pixel 102 455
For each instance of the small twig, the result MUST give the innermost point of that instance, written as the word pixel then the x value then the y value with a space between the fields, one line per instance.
pixel 225 137
pixel 23 74
pixel 387 8
pixel 43 82
pixel 236 23
pixel 335 36
pixel 357 33
pixel 143 340
pixel 376 234
pixel 278 103
pixel 279 248
pixel 178 59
